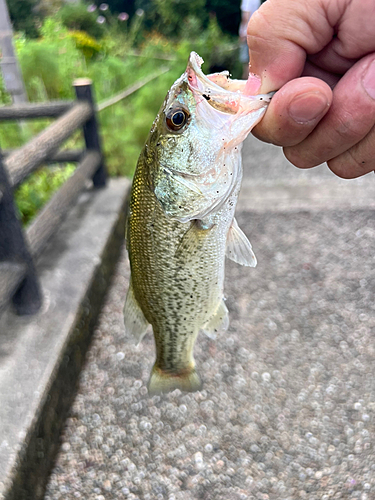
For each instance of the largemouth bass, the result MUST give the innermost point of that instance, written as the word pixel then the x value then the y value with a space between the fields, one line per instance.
pixel 181 221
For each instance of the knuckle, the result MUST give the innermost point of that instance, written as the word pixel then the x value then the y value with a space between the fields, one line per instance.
pixel 258 27
pixel 301 157
pixel 265 134
pixel 348 128
pixel 350 165
pixel 277 129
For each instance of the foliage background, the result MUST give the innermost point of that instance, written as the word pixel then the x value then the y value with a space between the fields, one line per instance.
pixel 57 42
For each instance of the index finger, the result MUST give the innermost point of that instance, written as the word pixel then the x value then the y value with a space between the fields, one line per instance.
pixel 281 33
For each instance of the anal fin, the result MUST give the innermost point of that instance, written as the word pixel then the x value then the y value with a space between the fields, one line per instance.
pixel 239 247
pixel 218 322
pixel 135 322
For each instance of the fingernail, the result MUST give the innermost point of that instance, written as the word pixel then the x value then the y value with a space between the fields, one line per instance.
pixel 307 107
pixel 369 80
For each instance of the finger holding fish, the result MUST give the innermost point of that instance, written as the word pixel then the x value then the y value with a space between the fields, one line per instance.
pixel 294 112
pixel 357 160
pixel 349 121
pixel 331 42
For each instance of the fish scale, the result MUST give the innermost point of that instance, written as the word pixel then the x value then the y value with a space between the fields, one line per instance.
pixel 166 277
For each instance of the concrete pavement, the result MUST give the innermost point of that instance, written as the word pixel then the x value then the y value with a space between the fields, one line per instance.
pixel 41 355
pixel 287 409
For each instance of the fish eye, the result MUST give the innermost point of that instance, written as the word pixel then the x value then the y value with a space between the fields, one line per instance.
pixel 176 119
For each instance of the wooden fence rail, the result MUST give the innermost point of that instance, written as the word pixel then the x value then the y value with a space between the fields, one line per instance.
pixel 19 249
pixel 35 110
pixel 27 158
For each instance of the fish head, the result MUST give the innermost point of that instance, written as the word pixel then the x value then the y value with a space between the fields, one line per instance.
pixel 194 144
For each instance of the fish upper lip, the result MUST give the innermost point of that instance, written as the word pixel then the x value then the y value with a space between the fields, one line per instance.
pixel 195 62
pixel 227 99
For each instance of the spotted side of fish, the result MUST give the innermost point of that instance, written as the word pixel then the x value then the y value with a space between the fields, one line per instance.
pixel 181 223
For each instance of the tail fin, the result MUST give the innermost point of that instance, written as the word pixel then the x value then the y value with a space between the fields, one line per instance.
pixel 164 381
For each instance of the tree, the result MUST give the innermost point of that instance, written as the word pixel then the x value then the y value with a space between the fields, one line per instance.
pixel 23 14
pixel 228 14
pixel 169 15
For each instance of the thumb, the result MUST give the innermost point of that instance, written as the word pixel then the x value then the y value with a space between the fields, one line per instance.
pixel 280 34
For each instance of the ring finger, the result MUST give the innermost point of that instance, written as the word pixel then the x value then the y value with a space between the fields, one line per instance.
pixel 356 161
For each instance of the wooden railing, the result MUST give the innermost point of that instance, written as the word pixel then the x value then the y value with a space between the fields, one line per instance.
pixel 19 249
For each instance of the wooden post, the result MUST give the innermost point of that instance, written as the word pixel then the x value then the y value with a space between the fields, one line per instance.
pixel 84 92
pixel 13 250
pixel 9 65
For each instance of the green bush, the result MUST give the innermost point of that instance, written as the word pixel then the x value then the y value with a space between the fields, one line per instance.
pixel 76 17
pixel 170 16
pixel 40 64
pixel 51 63
pixel 32 195
pixel 86 44
pixel 23 17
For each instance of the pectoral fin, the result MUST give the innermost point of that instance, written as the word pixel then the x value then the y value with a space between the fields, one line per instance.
pixel 194 237
pixel 239 247
pixel 218 322
pixel 135 322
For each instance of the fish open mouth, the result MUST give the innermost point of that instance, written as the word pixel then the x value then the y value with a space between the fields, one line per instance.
pixel 223 112
pixel 221 92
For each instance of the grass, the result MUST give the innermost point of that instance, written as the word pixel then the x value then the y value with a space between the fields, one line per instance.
pixel 32 195
pixel 51 63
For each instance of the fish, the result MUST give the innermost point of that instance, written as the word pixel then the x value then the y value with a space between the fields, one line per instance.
pixel 181 224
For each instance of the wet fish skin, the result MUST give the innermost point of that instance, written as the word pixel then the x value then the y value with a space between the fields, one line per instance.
pixel 178 287
pixel 181 224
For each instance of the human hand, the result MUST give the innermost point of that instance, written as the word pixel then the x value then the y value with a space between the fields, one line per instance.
pixel 306 48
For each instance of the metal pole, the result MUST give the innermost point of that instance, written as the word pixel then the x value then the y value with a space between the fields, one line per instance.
pixel 14 251
pixel 84 92
pixel 8 62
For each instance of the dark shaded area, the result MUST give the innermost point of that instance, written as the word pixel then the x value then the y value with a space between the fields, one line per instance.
pixel 74 275
pixel 14 250
pixel 228 14
pixel 24 16
pixel 44 443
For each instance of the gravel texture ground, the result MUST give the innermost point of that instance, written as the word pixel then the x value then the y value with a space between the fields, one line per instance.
pixel 287 409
